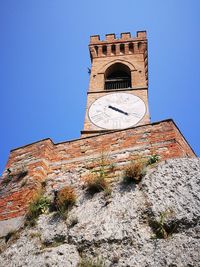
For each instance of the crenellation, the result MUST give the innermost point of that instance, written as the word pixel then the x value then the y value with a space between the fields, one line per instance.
pixel 125 40
pixel 125 35
pixel 94 38
pixel 142 34
pixel 110 37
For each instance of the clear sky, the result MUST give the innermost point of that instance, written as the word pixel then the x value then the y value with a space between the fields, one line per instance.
pixel 44 59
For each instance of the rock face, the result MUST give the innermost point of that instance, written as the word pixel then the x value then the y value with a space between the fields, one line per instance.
pixel 152 223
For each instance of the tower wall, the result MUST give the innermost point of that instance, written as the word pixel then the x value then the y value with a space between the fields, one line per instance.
pixel 127 50
pixel 136 58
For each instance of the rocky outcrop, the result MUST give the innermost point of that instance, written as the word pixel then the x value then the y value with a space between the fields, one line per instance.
pixel 152 223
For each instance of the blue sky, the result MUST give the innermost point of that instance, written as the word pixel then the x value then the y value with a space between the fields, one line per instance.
pixel 44 59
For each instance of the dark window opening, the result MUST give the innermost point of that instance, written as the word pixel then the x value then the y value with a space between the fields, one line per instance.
pixel 122 48
pixel 130 46
pixel 96 50
pixel 104 50
pixel 117 76
pixel 113 49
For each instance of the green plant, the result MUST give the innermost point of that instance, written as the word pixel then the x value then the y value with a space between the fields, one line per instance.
pixel 91 263
pixel 134 171
pixel 64 200
pixel 153 159
pixel 160 227
pixel 97 180
pixel 39 206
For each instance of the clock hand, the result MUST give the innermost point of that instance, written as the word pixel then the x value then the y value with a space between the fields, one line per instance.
pixel 119 110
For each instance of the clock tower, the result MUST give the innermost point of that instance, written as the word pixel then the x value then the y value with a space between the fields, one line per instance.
pixel 118 88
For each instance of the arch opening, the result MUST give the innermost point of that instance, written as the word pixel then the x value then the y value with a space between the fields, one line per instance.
pixel 113 50
pixel 117 76
pixel 104 50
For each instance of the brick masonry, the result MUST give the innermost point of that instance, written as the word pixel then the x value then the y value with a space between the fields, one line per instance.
pixel 127 50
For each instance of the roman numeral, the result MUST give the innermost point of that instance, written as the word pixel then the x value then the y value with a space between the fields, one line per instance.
pixel 116 124
pixel 98 117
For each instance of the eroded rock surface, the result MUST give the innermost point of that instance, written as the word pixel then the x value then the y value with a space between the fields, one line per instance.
pixel 119 229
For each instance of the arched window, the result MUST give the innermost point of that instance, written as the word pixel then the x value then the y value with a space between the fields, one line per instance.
pixel 113 50
pixel 122 49
pixel 104 50
pixel 130 46
pixel 117 76
pixel 96 49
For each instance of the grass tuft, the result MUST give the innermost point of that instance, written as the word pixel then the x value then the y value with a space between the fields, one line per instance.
pixel 160 227
pixel 153 159
pixel 39 206
pixel 64 200
pixel 95 182
pixel 134 171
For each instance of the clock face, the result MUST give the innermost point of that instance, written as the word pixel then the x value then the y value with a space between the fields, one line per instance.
pixel 117 111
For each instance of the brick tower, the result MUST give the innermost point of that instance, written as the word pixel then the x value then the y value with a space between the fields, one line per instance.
pixel 118 89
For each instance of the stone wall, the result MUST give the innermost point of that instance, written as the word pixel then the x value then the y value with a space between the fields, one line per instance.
pixel 151 223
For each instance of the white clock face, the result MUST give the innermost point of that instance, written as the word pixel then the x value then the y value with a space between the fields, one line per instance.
pixel 117 111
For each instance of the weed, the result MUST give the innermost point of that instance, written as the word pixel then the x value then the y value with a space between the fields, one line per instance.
pixel 107 191
pixel 160 228
pixel 64 200
pixel 96 181
pixel 153 159
pixel 134 171
pixel 91 263
pixel 39 206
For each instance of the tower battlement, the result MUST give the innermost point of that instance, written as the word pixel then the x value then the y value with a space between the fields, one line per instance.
pixel 124 36
pixel 113 46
